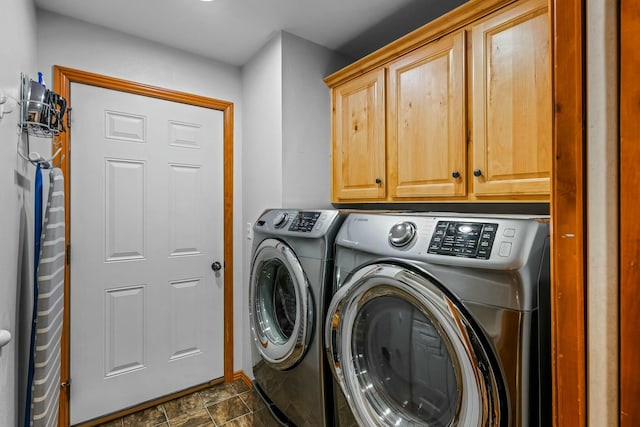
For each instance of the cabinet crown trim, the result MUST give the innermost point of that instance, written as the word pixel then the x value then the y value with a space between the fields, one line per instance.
pixel 441 26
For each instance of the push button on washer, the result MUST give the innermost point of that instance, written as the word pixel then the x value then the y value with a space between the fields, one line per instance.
pixel 509 232
pixel 505 249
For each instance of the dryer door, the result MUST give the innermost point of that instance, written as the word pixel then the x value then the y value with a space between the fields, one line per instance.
pixel 280 305
pixel 406 353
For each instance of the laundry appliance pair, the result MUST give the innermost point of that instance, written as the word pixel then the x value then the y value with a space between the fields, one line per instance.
pixel 427 319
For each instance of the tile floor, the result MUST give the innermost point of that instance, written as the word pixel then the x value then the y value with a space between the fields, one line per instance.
pixel 228 405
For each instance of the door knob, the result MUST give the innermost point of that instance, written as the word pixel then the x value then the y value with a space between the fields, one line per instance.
pixel 216 266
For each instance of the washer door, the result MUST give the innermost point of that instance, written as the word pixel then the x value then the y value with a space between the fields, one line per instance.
pixel 405 353
pixel 280 305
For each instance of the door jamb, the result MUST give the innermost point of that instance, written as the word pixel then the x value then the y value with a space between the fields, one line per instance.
pixel 568 214
pixel 63 77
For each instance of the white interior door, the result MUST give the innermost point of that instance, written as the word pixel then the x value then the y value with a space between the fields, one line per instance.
pixel 146 224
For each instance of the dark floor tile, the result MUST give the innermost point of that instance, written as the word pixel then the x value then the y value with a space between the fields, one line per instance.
pixel 217 393
pixel 148 418
pixel 261 418
pixel 240 386
pixel 243 421
pixel 183 405
pixel 253 401
pixel 198 418
pixel 226 410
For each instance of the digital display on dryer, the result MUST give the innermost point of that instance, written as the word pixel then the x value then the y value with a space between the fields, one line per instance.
pixel 304 221
pixel 463 239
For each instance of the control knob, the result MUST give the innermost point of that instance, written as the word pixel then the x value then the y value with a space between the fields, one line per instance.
pixel 280 220
pixel 402 234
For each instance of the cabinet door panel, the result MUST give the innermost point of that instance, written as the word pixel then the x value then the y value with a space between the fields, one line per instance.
pixel 511 98
pixel 359 138
pixel 426 121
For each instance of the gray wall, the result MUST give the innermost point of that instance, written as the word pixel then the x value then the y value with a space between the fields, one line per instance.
pixel 287 137
pixel 261 157
pixel 306 121
pixel 602 212
pixel 18 53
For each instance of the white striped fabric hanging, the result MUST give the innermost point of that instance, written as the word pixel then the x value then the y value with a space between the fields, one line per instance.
pixel 46 379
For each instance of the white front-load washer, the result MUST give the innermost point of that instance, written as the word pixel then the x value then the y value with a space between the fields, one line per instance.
pixel 291 280
pixel 439 320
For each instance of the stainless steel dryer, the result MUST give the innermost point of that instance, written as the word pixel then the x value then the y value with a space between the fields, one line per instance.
pixel 291 279
pixel 438 320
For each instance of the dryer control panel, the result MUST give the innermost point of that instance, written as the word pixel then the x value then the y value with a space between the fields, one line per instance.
pixel 310 224
pixel 463 239
pixel 304 221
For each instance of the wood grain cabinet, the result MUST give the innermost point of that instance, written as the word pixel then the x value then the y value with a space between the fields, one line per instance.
pixel 511 98
pixel 426 129
pixel 358 149
pixel 459 115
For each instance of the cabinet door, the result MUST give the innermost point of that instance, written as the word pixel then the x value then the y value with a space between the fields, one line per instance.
pixel 358 152
pixel 427 122
pixel 511 101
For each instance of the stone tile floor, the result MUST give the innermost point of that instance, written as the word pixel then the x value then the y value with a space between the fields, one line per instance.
pixel 229 405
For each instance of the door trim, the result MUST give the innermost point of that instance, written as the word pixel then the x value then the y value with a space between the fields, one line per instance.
pixel 568 214
pixel 629 176
pixel 63 77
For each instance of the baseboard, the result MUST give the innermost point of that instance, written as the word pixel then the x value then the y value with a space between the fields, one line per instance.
pixel 240 375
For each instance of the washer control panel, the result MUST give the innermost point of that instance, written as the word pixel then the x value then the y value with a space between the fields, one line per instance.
pixel 463 239
pixel 304 221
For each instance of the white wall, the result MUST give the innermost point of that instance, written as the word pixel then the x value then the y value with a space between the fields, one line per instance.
pixel 602 212
pixel 287 145
pixel 76 44
pixel 17 54
pixel 306 122
pixel 262 154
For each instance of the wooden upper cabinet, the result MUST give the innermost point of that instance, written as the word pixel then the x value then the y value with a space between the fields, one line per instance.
pixel 426 125
pixel 358 152
pixel 458 110
pixel 511 100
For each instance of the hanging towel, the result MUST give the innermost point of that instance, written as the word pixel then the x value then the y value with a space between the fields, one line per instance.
pixel 37 236
pixel 46 377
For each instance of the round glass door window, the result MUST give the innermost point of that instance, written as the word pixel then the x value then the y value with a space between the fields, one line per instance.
pixel 402 362
pixel 277 296
pixel 280 305
pixel 405 353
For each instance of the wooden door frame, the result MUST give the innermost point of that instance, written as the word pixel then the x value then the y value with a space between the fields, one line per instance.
pixel 568 214
pixel 629 227
pixel 63 77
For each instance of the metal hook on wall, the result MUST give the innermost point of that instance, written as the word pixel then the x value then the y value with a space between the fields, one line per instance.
pixel 36 158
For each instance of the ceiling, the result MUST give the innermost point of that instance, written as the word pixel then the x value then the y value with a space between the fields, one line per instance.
pixel 232 31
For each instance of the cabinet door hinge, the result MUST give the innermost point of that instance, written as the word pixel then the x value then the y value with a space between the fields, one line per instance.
pixel 68 254
pixel 69 118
